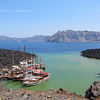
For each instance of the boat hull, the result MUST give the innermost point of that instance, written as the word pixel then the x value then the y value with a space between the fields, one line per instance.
pixel 36 83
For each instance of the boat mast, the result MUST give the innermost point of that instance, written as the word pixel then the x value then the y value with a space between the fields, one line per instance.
pixel 24 58
pixel 37 60
pixel 40 60
pixel 32 57
pixel 31 65
pixel 12 60
pixel 19 54
pixel 12 57
pixel 11 63
pixel 24 52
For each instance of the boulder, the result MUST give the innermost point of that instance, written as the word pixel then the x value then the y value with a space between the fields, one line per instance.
pixel 52 90
pixel 93 91
pixel 62 91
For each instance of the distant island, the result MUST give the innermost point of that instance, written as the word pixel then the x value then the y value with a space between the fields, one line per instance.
pixel 60 36
pixel 37 38
pixel 75 36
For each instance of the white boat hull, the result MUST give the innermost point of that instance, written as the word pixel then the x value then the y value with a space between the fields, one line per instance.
pixel 27 83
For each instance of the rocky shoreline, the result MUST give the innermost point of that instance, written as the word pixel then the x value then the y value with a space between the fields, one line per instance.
pixel 92 93
pixel 91 53
pixel 52 94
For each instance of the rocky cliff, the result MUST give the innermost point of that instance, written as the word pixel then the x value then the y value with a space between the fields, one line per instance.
pixel 75 36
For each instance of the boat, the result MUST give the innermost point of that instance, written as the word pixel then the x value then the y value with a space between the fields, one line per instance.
pixel 29 72
pixel 19 77
pixel 36 80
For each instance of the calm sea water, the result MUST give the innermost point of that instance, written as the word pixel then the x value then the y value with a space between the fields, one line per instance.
pixel 68 69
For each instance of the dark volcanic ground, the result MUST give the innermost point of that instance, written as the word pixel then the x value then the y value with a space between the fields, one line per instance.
pixel 11 57
pixel 91 53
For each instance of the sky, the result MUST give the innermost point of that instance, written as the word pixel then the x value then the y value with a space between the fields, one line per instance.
pixel 26 18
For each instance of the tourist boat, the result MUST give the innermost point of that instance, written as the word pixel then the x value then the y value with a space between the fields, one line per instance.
pixel 19 77
pixel 28 72
pixel 36 79
pixel 30 64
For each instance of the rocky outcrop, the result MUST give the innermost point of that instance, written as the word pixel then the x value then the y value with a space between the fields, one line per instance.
pixel 93 91
pixel 91 53
pixel 75 36
pixel 62 91
pixel 9 57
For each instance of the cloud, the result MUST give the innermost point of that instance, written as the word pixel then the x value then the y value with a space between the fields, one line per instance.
pixel 15 11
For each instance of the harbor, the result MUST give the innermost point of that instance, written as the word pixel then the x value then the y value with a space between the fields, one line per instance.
pixel 67 70
pixel 29 74
pixel 29 71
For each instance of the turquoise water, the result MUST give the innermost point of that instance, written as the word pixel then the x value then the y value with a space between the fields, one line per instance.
pixel 68 69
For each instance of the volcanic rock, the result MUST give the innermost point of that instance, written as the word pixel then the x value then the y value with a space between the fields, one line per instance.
pixel 93 91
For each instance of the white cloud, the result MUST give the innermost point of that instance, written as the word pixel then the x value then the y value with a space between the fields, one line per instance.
pixel 15 11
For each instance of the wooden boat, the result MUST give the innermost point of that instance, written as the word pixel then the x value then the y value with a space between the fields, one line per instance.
pixel 19 77
pixel 36 80
pixel 28 72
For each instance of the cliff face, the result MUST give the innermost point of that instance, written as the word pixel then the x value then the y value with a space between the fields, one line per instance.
pixel 75 36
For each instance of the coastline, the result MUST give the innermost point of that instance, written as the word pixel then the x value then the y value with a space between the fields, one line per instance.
pixel 91 53
pixel 92 93
pixel 52 94
pixel 12 57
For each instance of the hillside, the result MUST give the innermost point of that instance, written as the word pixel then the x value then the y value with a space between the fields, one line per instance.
pixel 60 36
pixel 75 36
pixel 37 38
pixel 9 57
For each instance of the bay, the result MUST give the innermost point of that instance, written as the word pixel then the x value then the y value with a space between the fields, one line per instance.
pixel 67 67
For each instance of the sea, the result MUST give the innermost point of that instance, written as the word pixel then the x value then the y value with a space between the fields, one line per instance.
pixel 68 69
